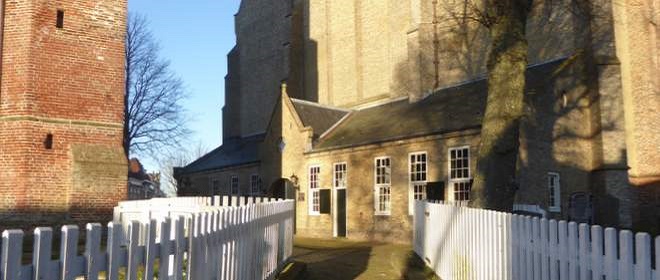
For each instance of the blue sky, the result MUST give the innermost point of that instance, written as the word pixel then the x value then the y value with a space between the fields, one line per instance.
pixel 195 35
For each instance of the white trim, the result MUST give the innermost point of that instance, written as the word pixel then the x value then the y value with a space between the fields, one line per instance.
pixel 483 76
pixel 334 198
pixel 530 208
pixel 377 187
pixel 376 103
pixel 310 194
pixel 450 182
pixel 335 125
pixel 259 186
pixel 411 191
pixel 557 192
pixel 231 185
pixel 213 180
pixel 315 104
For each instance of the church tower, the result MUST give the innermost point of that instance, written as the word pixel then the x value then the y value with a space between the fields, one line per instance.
pixel 61 109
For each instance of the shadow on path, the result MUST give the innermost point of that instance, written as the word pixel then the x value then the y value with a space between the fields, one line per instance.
pixel 342 259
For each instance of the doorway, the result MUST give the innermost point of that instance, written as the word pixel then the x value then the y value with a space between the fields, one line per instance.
pixel 339 184
pixel 341 212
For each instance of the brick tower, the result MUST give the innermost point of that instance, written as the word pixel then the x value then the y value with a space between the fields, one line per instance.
pixel 61 110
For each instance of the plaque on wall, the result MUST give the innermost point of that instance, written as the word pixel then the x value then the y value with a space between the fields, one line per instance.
pixel 301 196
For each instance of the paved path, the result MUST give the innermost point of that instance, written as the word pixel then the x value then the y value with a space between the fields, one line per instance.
pixel 341 259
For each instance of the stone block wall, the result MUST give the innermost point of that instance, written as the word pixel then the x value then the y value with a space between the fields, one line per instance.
pixel 263 36
pixel 362 223
pixel 201 183
pixel 356 51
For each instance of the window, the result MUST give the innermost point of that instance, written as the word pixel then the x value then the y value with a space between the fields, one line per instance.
pixel 234 185
pixel 417 188
pixel 216 186
pixel 383 174
pixel 554 190
pixel 339 177
pixel 314 201
pixel 60 19
pixel 255 184
pixel 460 178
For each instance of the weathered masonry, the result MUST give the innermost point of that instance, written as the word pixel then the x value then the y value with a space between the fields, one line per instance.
pixel 61 110
pixel 384 100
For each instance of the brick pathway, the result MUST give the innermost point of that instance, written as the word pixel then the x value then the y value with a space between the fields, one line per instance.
pixel 341 259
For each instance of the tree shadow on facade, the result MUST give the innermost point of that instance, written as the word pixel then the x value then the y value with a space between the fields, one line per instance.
pixel 563 129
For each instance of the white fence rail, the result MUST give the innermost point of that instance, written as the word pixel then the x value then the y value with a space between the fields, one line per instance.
pixel 466 243
pixel 244 242
pixel 159 208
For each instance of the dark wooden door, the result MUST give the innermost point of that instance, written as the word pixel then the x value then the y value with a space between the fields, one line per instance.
pixel 341 212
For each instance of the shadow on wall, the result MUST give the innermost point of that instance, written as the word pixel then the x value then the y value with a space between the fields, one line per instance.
pixel 563 126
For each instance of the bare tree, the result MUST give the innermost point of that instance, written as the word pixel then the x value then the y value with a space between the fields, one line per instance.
pixel 495 184
pixel 179 158
pixel 153 116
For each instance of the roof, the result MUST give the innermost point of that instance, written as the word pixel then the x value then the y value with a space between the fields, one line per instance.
pixel 319 117
pixel 450 109
pixel 136 170
pixel 453 109
pixel 233 152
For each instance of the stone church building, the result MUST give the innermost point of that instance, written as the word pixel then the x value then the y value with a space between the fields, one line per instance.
pixel 61 110
pixel 382 102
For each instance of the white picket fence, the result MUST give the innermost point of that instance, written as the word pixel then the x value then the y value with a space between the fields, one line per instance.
pixel 244 242
pixel 159 208
pixel 196 201
pixel 466 243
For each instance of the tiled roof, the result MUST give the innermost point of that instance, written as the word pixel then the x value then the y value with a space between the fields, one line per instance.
pixel 447 110
pixel 319 117
pixel 233 152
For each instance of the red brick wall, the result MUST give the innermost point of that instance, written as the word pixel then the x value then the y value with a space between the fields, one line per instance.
pixel 69 83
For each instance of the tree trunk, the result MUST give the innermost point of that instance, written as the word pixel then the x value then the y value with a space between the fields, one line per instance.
pixel 494 183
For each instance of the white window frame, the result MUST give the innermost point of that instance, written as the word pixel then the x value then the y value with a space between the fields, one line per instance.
pixel 454 182
pixel 214 190
pixel 413 183
pixel 336 185
pixel 255 182
pixel 554 192
pixel 231 185
pixel 314 191
pixel 386 185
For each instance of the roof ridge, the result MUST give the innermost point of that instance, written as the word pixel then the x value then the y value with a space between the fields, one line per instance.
pixel 316 104
pixel 335 125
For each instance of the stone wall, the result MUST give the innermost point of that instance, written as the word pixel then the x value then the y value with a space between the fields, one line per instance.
pixel 355 50
pixel 362 223
pixel 263 33
pixel 61 110
pixel 201 183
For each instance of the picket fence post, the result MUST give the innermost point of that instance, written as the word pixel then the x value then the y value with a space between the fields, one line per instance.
pixel 251 241
pixel 466 243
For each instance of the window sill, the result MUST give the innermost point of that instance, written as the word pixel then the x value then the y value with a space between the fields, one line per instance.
pixel 554 209
pixel 383 214
pixel 313 214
